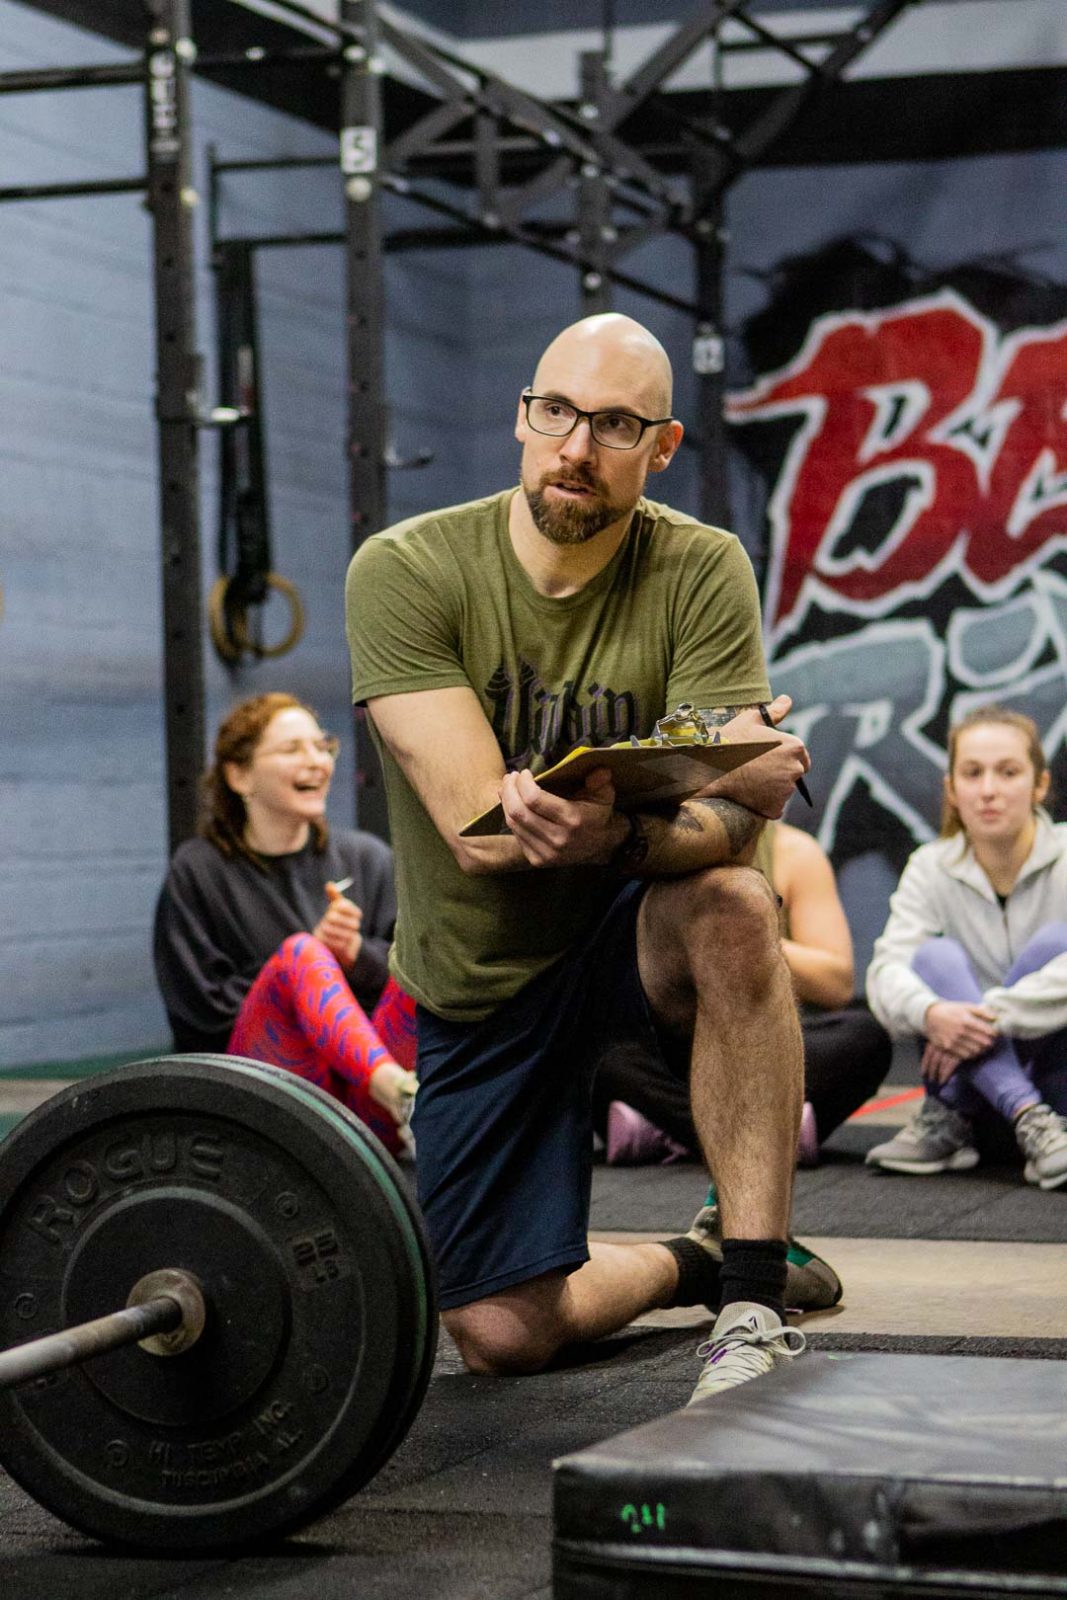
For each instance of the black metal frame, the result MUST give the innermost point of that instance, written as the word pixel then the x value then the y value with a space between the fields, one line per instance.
pixel 622 198
pixel 170 52
pixel 360 151
pixel 163 73
pixel 513 152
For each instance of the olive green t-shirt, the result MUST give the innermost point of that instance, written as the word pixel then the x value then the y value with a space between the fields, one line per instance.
pixel 442 601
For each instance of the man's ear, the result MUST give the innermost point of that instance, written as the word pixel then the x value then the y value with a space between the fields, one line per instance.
pixel 667 442
pixel 522 427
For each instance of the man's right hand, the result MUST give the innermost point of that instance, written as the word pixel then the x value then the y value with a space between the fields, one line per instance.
pixel 960 1029
pixel 766 784
pixel 584 830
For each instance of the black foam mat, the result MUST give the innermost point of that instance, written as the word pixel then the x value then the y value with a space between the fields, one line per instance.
pixel 849 1474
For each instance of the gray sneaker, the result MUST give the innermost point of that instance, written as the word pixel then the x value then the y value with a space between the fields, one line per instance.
pixel 746 1341
pixel 937 1139
pixel 1042 1136
pixel 811 1284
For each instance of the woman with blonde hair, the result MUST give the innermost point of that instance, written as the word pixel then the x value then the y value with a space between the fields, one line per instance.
pixel 973 959
pixel 272 930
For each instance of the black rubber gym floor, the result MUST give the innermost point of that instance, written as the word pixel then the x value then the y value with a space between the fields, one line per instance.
pixel 841 1197
pixel 463 1509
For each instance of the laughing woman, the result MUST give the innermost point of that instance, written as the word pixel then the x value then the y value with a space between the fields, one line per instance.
pixel 973 959
pixel 272 931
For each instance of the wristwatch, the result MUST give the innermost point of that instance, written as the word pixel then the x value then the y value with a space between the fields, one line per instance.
pixel 632 849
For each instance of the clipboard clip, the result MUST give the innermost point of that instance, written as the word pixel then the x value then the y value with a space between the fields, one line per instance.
pixel 684 726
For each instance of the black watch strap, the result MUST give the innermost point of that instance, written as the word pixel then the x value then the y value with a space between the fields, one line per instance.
pixel 631 851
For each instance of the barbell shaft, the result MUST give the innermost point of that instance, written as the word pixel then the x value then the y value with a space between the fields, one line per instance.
pixel 71 1346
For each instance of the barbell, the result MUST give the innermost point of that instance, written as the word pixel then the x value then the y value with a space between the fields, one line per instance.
pixel 218 1299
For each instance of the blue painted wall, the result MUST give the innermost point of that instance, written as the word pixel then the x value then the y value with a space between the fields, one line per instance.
pixel 82 792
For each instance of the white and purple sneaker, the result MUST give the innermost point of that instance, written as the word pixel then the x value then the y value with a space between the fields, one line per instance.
pixel 746 1341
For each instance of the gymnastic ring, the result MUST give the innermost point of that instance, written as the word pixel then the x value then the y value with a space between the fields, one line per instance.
pixel 234 642
pixel 220 634
pixel 265 652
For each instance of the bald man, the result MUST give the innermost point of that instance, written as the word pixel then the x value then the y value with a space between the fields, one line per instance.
pixel 487 640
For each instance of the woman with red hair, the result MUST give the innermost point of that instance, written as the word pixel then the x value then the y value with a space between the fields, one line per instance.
pixel 272 930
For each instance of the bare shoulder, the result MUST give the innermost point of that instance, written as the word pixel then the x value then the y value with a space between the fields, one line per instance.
pixel 793 844
pixel 798 857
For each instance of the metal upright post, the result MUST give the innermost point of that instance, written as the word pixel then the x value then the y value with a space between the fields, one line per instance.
pixel 594 195
pixel 361 150
pixel 169 55
pixel 709 354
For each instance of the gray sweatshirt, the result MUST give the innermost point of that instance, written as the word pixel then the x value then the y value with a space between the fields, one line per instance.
pixel 943 892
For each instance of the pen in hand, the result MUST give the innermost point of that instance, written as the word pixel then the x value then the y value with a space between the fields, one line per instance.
pixel 801 786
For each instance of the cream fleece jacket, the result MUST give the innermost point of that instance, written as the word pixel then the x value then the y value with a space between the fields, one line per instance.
pixel 943 892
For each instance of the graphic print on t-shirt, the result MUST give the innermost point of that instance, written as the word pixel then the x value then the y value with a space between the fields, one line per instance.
pixel 542 724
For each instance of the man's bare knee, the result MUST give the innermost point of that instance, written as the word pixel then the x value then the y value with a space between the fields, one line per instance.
pixel 735 940
pixel 511 1333
pixel 731 912
pixel 494 1357
pixel 709 933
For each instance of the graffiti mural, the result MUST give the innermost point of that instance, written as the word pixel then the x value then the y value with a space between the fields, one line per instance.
pixel 909 441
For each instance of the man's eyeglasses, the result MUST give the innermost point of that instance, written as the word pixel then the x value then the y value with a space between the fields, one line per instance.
pixel 615 430
pixel 327 744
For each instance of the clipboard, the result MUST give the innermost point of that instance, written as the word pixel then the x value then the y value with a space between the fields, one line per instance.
pixel 644 774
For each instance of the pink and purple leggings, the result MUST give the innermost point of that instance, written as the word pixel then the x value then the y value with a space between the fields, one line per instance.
pixel 301 1014
pixel 1009 1075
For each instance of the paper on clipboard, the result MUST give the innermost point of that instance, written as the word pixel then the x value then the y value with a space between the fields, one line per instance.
pixel 646 774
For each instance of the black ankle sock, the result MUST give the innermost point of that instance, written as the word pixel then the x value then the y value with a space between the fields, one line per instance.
pixel 754 1269
pixel 698 1274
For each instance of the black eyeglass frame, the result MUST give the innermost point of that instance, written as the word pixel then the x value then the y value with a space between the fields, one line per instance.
pixel 590 416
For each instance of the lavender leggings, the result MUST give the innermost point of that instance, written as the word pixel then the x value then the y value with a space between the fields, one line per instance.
pixel 1009 1075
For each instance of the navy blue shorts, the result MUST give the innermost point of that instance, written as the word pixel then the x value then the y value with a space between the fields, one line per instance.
pixel 503 1115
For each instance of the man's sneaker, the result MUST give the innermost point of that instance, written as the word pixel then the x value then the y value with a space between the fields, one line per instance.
pixel 1042 1137
pixel 746 1341
pixel 811 1284
pixel 937 1139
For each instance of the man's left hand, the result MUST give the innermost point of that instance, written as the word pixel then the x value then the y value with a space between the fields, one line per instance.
pixel 766 784
pixel 583 830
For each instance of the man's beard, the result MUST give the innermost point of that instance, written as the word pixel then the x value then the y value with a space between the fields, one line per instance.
pixel 566 522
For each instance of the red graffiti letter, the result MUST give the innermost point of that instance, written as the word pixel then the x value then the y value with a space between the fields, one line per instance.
pixel 875 388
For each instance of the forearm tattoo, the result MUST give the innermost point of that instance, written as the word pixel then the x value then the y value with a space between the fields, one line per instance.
pixel 739 825
pixel 719 716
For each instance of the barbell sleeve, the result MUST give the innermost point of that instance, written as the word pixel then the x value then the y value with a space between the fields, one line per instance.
pixel 71 1346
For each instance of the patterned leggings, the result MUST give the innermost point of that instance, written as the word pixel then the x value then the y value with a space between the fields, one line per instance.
pixel 301 1014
